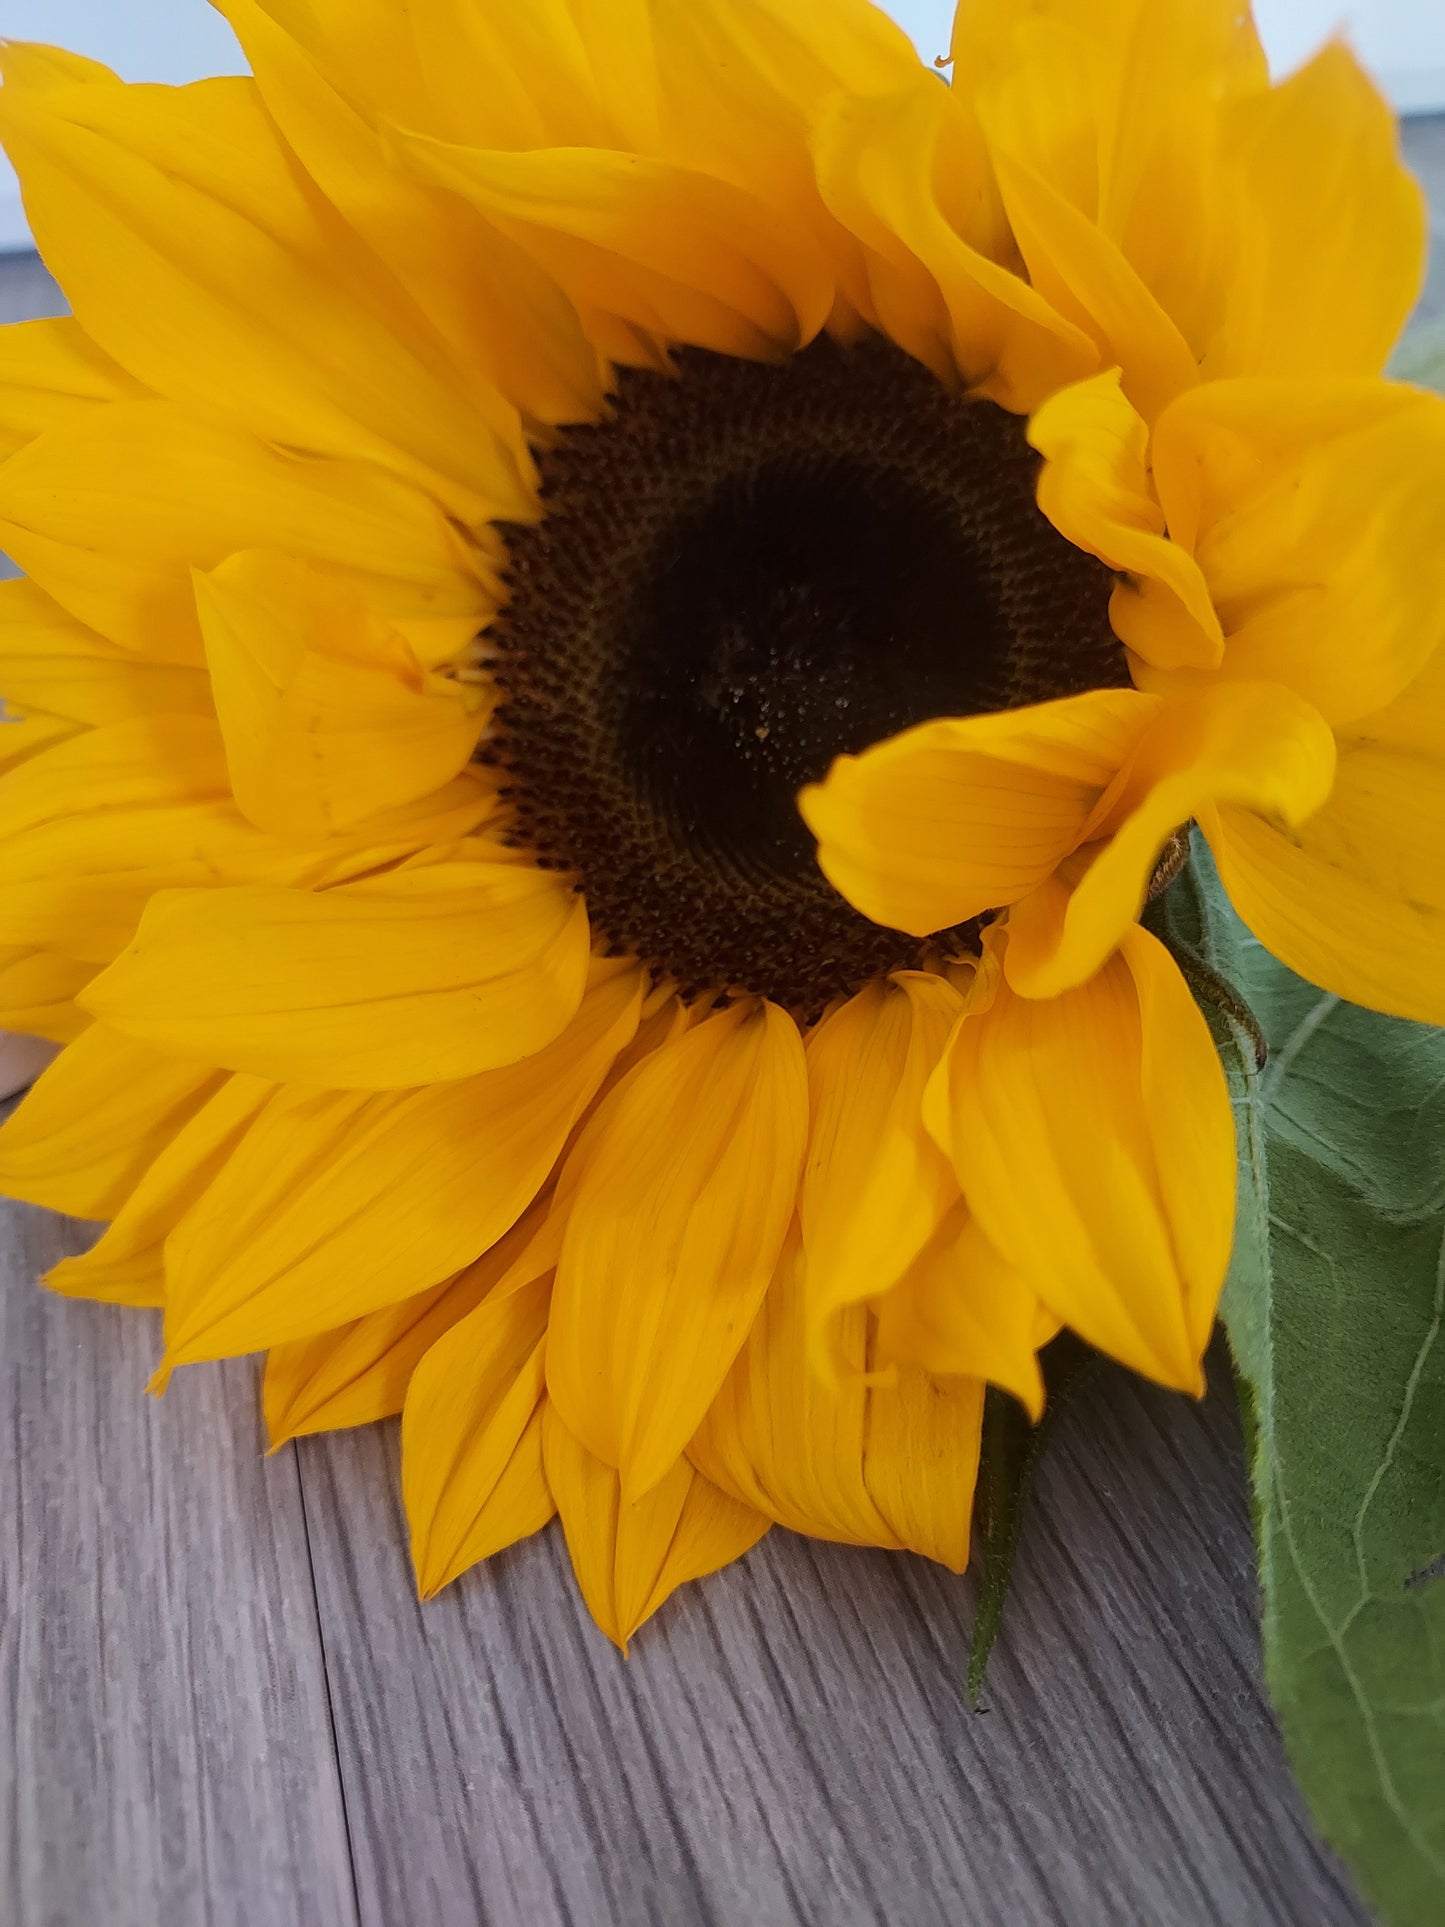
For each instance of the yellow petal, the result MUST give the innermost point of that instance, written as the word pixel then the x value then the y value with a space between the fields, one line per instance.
pixel 1103 117
pixel 1320 512
pixel 129 1258
pixel 94 1121
pixel 875 1186
pixel 50 662
pixel 411 978
pixel 1253 744
pixel 37 994
pixel 470 1426
pixel 492 306
pixel 1331 228
pixel 675 252
pixel 1092 1137
pixel 50 373
pixel 1094 488
pixel 1354 899
pixel 360 1372
pixel 833 1456
pixel 1084 278
pixel 962 1310
pixel 327 715
pixel 192 251
pixel 337 1204
pixel 920 1461
pixel 681 1206
pixel 110 517
pixel 91 829
pixel 629 1557
pixel 558 73
pixel 967 814
pixel 908 174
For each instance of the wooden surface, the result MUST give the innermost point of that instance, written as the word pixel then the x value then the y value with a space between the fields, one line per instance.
pixel 223 1704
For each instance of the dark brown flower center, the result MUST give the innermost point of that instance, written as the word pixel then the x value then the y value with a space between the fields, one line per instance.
pixel 744 571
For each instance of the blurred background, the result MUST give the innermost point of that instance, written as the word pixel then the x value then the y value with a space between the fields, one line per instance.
pixel 1402 41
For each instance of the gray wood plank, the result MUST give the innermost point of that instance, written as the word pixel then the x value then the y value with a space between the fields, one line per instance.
pixel 790 1740
pixel 169 1759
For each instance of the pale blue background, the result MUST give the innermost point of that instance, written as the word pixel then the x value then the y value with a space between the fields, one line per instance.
pixel 1402 40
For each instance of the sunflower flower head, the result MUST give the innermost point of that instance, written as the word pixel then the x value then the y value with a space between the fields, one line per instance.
pixel 623 605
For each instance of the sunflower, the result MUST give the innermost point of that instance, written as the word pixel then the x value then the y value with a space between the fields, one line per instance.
pixel 624 604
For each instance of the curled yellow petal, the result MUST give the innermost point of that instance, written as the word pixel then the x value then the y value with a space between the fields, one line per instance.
pixel 1248 744
pixel 1094 488
pixel 967 814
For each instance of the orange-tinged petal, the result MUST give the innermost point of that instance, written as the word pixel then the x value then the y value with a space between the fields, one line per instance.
pixel 129 1258
pixel 1094 488
pixel 194 252
pixel 360 1372
pixel 327 715
pixel 962 1310
pixel 964 815
pixel 94 1121
pixel 472 1407
pixel 1330 227
pixel 337 1204
pixel 684 1191
pixel 1252 744
pixel 111 515
pixel 50 373
pixel 875 1186
pixel 411 978
pixel 1092 1137
pixel 672 251
pixel 630 1556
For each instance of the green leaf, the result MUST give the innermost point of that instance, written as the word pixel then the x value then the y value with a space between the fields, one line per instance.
pixel 1011 1449
pixel 1335 1309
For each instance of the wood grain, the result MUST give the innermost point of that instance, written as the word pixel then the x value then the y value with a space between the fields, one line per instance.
pixel 229 1707
pixel 169 1753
